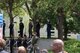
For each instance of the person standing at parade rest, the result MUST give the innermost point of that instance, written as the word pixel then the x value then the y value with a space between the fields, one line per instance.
pixel 38 28
pixel 21 28
pixel 4 25
pixel 11 27
pixel 48 29
pixel 30 28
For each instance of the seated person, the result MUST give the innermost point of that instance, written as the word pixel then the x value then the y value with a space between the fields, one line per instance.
pixel 19 41
pixel 58 46
pixel 22 49
pixel 25 41
pixel 2 45
pixel 44 51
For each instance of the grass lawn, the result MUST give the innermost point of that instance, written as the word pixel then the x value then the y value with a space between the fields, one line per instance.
pixel 71 46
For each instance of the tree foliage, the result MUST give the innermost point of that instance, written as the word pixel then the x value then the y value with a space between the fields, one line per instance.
pixel 16 8
pixel 47 9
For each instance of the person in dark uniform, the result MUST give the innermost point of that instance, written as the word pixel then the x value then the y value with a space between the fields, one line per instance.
pixel 38 28
pixel 30 28
pixel 11 27
pixel 4 25
pixel 48 29
pixel 21 28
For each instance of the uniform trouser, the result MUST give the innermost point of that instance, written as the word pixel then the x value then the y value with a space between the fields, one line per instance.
pixel 48 34
pixel 30 34
pixel 4 34
pixel 38 33
pixel 21 33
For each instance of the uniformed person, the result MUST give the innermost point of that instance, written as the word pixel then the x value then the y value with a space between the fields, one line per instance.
pixel 21 28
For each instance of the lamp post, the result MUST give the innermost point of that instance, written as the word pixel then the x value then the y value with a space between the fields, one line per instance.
pixel 0 10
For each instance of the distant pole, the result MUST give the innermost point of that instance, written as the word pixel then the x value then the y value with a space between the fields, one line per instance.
pixel 0 10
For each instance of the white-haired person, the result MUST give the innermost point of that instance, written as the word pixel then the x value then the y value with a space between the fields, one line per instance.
pixel 2 45
pixel 44 51
pixel 58 46
pixel 22 49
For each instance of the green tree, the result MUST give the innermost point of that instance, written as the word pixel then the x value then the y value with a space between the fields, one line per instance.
pixel 51 9
pixel 13 8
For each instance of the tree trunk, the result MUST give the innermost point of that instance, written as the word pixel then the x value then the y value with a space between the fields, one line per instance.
pixel 60 23
pixel 28 8
pixel 60 27
pixel 10 3
pixel 32 15
pixel 65 29
pixel 34 23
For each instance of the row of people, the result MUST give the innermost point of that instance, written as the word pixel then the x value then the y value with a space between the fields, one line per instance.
pixel 57 46
pixel 30 28
pixel 38 26
pixel 11 27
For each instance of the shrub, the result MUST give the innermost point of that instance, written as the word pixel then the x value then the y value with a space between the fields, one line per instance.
pixel 72 46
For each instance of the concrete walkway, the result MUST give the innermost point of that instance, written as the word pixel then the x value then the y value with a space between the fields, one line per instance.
pixel 45 43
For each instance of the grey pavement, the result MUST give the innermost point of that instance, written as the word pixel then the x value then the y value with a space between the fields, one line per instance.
pixel 45 43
